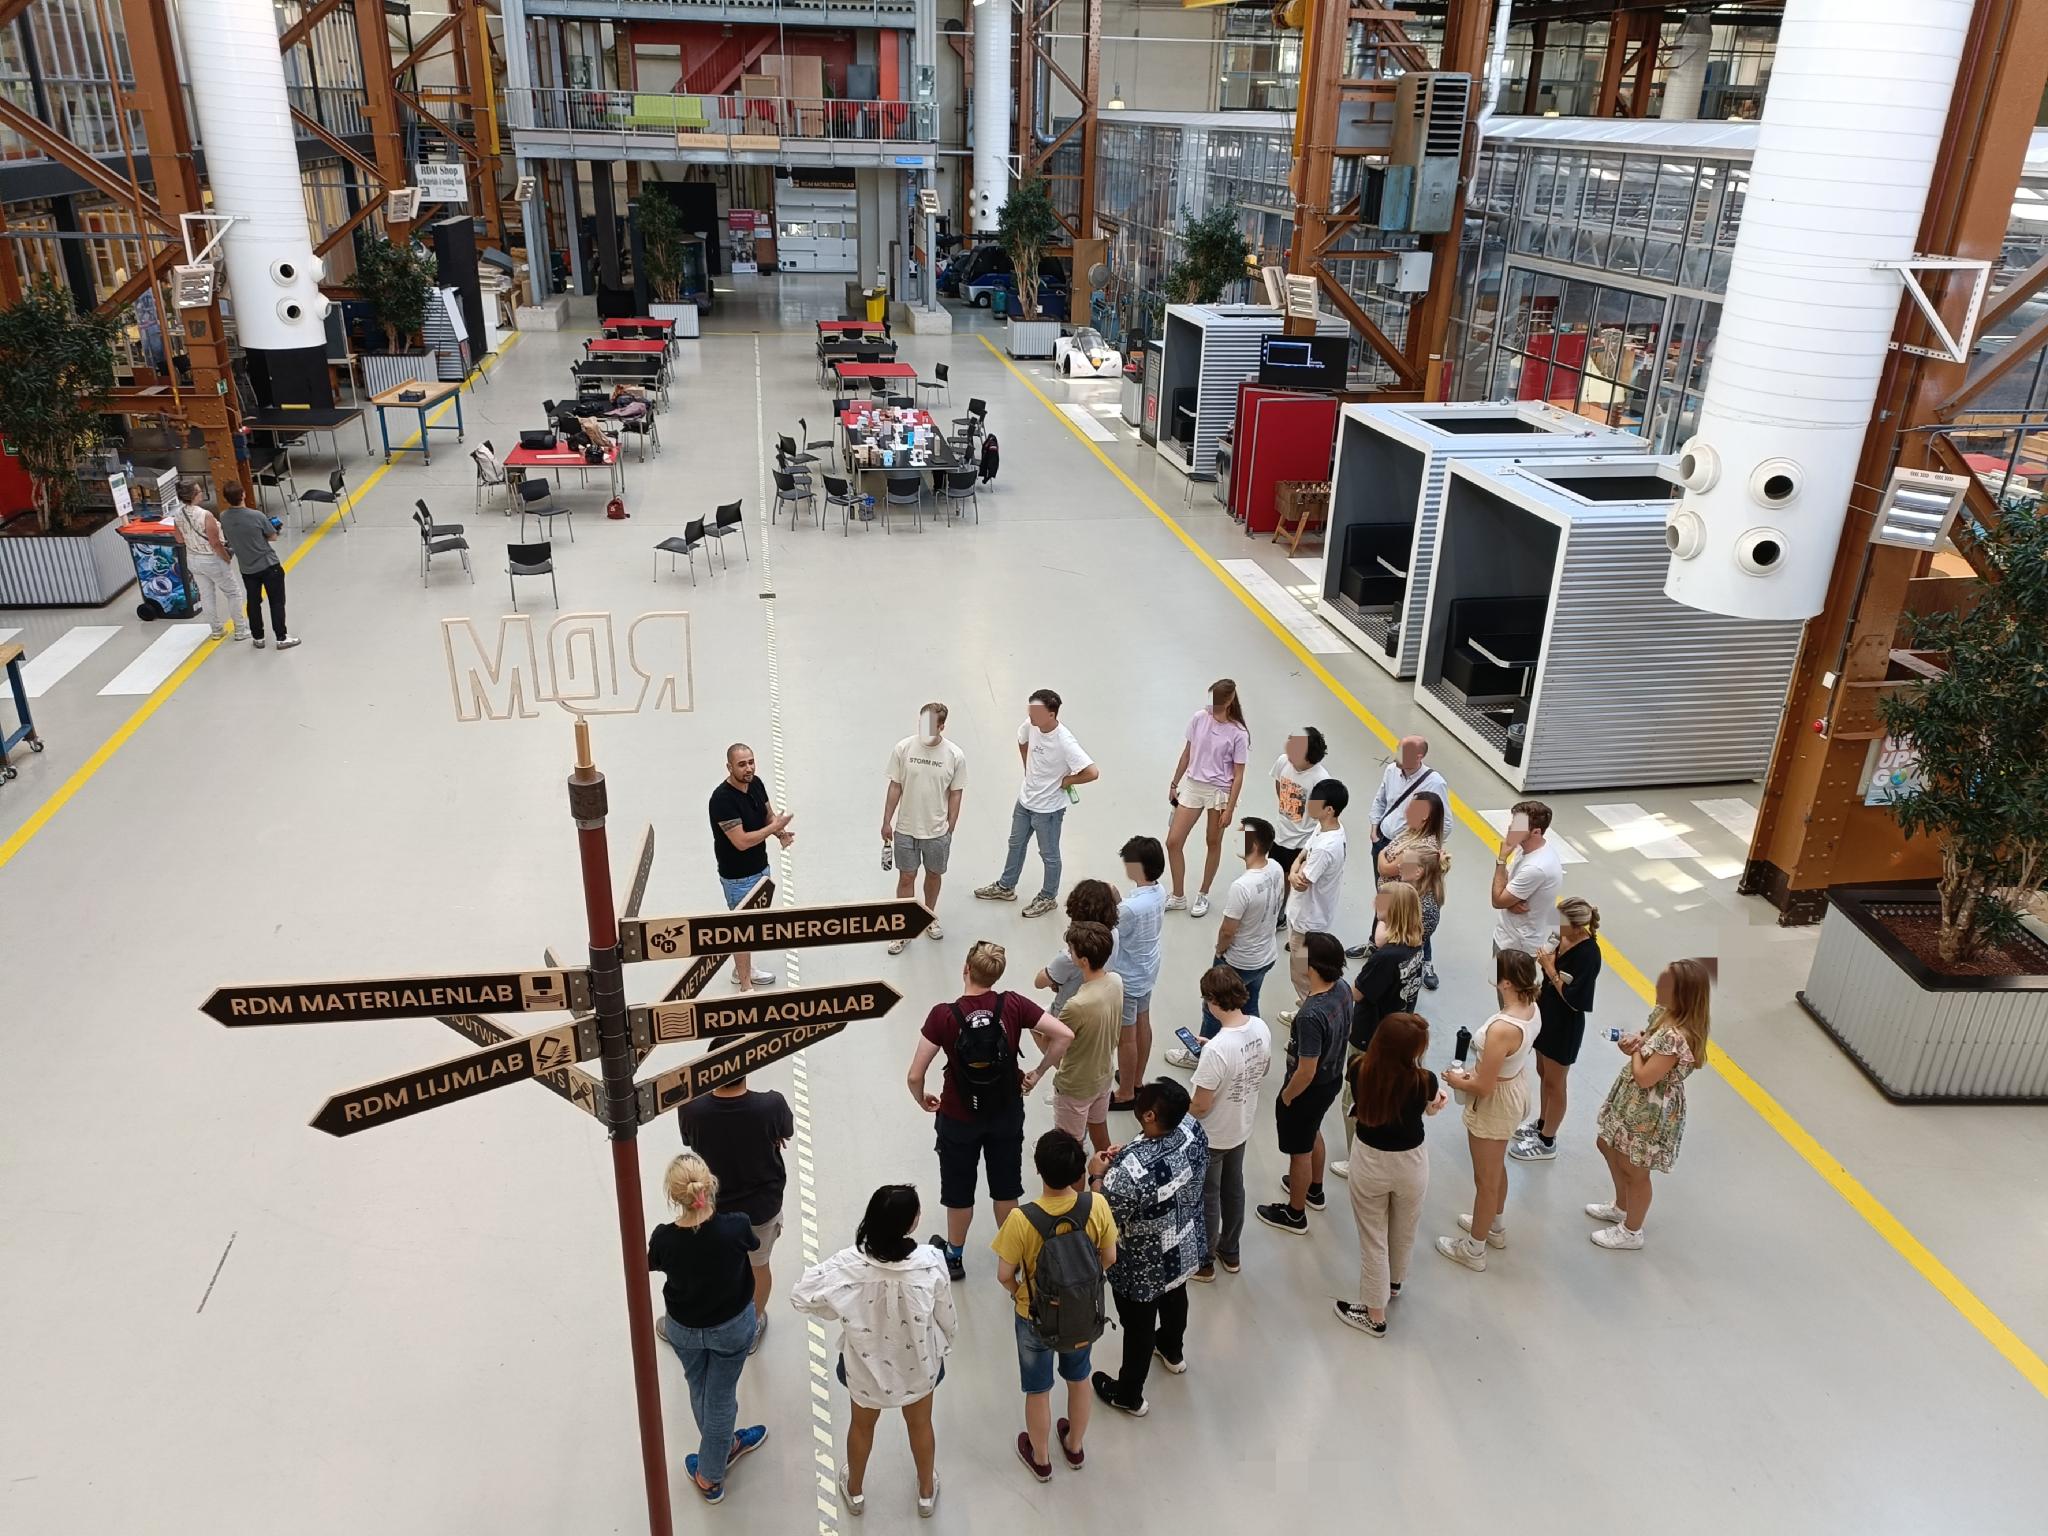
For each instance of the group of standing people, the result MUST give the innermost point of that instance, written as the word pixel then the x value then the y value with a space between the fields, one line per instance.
pixel 234 563
pixel 1137 1220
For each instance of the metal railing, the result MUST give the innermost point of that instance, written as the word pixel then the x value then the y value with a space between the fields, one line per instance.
pixel 648 115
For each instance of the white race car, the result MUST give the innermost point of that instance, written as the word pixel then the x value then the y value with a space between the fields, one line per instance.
pixel 1086 355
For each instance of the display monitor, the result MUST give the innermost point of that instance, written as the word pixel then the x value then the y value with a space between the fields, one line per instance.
pixel 1304 362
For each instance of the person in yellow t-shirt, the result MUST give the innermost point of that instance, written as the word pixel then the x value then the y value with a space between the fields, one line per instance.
pixel 1062 1166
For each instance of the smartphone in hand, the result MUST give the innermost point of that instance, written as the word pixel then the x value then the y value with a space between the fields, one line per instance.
pixel 1190 1039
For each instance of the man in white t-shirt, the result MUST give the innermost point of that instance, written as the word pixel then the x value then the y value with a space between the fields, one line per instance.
pixel 1248 941
pixel 1403 779
pixel 1316 881
pixel 1226 1100
pixel 1528 875
pixel 1054 765
pixel 1298 770
pixel 927 780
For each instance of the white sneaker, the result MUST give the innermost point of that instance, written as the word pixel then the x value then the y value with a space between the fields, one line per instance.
pixel 935 932
pixel 758 979
pixel 216 634
pixel 899 946
pixel 1462 1250
pixel 1618 1236
pixel 239 634
pixel 1176 904
pixel 1611 1215
pixel 1181 1056
pixel 927 1506
pixel 1200 906
pixel 1342 1169
pixel 1532 1149
pixel 856 1503
pixel 1497 1238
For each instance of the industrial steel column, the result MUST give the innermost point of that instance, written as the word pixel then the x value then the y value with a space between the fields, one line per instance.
pixel 1813 829
pixel 380 106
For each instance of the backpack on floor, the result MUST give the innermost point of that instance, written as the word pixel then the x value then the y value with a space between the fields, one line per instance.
pixel 1065 1289
pixel 985 1058
pixel 991 458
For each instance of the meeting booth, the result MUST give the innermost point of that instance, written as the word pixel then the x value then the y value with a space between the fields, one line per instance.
pixel 1549 648
pixel 1387 495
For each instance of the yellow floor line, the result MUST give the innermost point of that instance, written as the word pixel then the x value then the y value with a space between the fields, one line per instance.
pixel 1895 1232
pixel 83 775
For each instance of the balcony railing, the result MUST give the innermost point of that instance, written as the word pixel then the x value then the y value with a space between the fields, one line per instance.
pixel 645 116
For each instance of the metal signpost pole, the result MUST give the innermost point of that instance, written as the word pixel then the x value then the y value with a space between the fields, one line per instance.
pixel 587 804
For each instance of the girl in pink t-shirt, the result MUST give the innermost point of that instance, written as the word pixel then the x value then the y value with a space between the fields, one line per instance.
pixel 1206 782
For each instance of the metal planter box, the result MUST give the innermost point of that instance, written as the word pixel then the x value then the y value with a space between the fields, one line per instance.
pixel 64 570
pixel 1921 1037
pixel 1388 492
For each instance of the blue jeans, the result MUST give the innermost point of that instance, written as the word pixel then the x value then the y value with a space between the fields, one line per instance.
pixel 1251 980
pixel 735 891
pixel 1046 824
pixel 712 1360
pixel 1035 1361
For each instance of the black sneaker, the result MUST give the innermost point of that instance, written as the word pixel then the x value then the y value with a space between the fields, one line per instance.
pixel 1285 1217
pixel 1105 1388
pixel 956 1266
pixel 1357 1317
pixel 1316 1202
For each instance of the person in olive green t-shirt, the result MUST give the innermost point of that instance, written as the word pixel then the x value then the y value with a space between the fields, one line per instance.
pixel 1080 1089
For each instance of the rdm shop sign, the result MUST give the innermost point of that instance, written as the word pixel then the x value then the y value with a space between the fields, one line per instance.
pixel 585 663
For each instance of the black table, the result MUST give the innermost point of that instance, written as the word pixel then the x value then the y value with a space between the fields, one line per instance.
pixel 308 421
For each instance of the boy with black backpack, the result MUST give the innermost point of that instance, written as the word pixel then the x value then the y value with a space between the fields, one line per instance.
pixel 1055 1253
pixel 978 1113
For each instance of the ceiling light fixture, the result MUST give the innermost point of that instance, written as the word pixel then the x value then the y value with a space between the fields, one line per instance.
pixel 1116 97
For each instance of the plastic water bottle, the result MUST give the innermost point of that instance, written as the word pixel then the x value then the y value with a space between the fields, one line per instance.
pixel 1073 795
pixel 888 854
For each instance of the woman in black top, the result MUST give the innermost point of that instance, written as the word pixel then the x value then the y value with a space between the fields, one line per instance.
pixel 1569 971
pixel 1392 1092
pixel 709 1321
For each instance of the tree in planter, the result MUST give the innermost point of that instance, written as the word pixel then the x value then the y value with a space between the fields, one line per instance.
pixel 398 280
pixel 661 246
pixel 1213 254
pixel 1978 733
pixel 1026 226
pixel 54 362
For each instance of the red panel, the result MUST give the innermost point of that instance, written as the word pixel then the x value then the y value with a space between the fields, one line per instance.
pixel 1292 437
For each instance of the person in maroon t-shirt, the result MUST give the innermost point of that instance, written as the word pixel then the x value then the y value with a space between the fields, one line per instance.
pixel 978 1112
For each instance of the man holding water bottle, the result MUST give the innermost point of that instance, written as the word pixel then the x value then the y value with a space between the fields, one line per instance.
pixel 1054 768
pixel 927 781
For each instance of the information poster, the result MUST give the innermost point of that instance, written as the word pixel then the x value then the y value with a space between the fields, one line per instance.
pixel 745 224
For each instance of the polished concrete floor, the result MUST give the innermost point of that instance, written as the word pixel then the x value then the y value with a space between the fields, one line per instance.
pixel 216 1318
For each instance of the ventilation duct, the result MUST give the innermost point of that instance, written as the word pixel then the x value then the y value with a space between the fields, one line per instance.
pixel 1851 126
pixel 992 37
pixel 252 164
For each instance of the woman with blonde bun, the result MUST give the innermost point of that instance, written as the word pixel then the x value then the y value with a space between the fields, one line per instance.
pixel 708 1294
pixel 1570 967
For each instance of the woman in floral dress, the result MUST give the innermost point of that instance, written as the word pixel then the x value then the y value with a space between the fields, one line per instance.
pixel 1644 1116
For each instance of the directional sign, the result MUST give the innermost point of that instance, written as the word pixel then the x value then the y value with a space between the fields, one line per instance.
pixel 715 1067
pixel 463 1078
pixel 752 1013
pixel 404 997
pixel 579 1087
pixel 723 933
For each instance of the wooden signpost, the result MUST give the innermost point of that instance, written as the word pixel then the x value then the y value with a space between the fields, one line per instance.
pixel 600 1025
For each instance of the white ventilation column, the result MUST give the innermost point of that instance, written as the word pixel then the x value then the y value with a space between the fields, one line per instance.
pixel 252 165
pixel 992 36
pixel 1687 80
pixel 1851 126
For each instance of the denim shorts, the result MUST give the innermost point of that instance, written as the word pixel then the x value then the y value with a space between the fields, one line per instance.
pixel 736 890
pixel 1035 1361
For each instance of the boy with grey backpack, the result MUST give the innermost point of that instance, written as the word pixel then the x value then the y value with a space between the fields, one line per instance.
pixel 1055 1252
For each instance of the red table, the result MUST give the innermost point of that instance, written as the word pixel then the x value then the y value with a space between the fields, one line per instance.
pixel 874 370
pixel 640 323
pixel 613 346
pixel 566 458
pixel 865 327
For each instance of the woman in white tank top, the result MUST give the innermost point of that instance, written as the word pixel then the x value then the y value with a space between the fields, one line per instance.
pixel 220 592
pixel 1496 1093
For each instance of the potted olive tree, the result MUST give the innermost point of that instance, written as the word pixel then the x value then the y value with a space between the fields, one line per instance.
pixel 398 281
pixel 54 364
pixel 1939 991
pixel 1026 226
pixel 1213 254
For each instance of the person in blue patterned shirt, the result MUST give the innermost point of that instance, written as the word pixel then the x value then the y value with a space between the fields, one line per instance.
pixel 1154 1189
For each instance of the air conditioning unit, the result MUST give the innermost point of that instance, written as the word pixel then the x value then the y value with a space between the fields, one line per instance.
pixel 1418 189
pixel 1301 298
